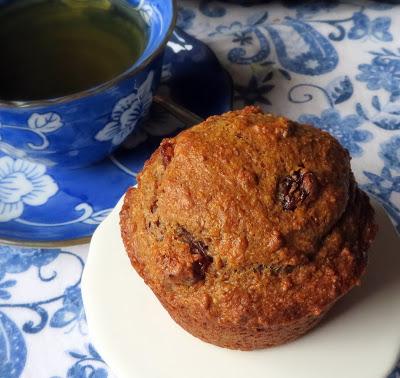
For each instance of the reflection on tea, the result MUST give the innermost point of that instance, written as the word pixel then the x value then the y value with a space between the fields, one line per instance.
pixel 52 48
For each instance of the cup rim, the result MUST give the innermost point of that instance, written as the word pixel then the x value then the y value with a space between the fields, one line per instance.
pixel 16 104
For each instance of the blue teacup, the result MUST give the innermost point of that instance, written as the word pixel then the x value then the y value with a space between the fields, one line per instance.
pixel 85 127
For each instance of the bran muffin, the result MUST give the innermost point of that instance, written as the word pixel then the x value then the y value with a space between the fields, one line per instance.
pixel 248 227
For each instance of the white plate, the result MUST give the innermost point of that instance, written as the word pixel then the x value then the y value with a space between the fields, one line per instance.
pixel 359 338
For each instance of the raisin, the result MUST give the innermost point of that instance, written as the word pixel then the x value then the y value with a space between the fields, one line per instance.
pixel 199 248
pixel 200 266
pixel 153 207
pixel 293 190
pixel 259 268
pixel 156 230
pixel 288 269
pixel 167 152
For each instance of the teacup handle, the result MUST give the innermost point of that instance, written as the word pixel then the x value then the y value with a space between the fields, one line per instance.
pixel 178 111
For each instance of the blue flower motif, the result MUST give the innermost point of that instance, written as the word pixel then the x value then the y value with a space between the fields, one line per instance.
pixel 339 89
pixel 382 73
pixel 390 153
pixel 4 294
pixel 346 129
pixel 18 260
pixel 253 92
pixel 45 123
pixel 387 116
pixel 243 37
pixel 23 183
pixel 72 310
pixel 363 27
pixel 127 112
pixel 234 28
pixel 382 185
pixel 185 18
pixel 241 34
pixel 87 365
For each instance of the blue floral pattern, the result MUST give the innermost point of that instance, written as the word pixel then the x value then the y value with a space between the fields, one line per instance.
pixel 254 91
pixel 300 47
pixel 383 72
pixel 22 183
pixel 71 311
pixel 39 124
pixel 56 304
pixel 88 364
pixel 390 153
pixel 346 129
pixel 382 75
pixel 364 27
pixel 386 184
pixel 17 260
pixel 127 112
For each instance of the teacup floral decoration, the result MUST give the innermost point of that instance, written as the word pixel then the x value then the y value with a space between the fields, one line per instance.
pixel 127 112
pixel 23 183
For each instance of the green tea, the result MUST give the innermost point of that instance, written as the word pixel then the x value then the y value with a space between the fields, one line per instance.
pixel 52 48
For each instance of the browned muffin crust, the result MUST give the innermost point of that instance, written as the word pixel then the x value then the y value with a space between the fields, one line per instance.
pixel 248 227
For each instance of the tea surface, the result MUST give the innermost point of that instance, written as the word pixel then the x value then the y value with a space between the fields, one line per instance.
pixel 52 48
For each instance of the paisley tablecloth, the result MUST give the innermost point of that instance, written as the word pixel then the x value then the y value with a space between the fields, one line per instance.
pixel 335 64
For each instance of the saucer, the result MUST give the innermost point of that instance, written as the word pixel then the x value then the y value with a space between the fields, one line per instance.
pixel 360 336
pixel 50 206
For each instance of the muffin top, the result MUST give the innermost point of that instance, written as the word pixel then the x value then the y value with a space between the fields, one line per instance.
pixel 248 218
